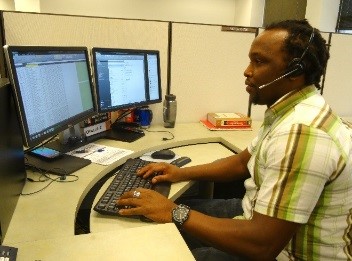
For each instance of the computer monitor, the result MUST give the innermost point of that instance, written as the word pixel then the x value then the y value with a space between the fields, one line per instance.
pixel 53 92
pixel 53 89
pixel 125 79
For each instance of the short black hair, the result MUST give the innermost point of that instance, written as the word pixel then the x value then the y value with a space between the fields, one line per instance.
pixel 315 59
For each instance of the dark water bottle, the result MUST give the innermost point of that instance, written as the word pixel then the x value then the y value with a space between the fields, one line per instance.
pixel 169 112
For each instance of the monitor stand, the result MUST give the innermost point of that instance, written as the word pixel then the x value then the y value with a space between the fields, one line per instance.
pixel 71 144
pixel 124 131
pixel 64 165
pixel 123 135
pixel 67 164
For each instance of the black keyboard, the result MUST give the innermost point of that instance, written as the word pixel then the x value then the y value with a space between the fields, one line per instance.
pixel 126 180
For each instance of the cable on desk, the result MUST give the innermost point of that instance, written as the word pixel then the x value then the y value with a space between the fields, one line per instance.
pixel 31 193
pixel 164 138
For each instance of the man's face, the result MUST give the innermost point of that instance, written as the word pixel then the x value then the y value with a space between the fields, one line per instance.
pixel 267 62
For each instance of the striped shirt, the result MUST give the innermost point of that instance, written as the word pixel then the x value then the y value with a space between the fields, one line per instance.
pixel 301 171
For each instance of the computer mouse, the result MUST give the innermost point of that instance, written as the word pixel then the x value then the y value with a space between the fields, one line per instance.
pixel 163 154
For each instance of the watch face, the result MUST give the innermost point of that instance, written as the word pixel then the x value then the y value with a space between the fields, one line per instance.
pixel 180 214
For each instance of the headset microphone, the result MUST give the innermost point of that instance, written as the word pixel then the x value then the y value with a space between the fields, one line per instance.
pixel 279 78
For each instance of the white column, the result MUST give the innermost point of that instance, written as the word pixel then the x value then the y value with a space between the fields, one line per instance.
pixel 27 5
pixel 249 12
pixel 7 5
pixel 323 14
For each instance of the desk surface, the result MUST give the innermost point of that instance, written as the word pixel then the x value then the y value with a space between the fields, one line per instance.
pixel 165 244
pixel 51 213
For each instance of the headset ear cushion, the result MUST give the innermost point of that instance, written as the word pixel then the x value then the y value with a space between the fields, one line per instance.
pixel 296 67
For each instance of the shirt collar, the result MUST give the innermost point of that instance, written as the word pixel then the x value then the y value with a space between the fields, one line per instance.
pixel 287 102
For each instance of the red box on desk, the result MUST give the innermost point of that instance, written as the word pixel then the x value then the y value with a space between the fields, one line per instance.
pixel 229 119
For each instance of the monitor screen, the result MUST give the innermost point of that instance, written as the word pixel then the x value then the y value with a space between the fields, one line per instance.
pixel 53 89
pixel 126 78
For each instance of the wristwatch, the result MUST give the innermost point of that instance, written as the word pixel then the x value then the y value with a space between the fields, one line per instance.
pixel 180 214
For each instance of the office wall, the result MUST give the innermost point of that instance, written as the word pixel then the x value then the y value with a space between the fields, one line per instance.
pixel 27 5
pixel 338 82
pixel 195 11
pixel 323 14
pixel 249 12
pixel 7 5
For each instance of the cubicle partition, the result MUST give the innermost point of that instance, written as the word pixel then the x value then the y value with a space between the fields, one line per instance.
pixel 338 80
pixel 207 69
pixel 206 63
pixel 12 170
pixel 201 64
pixel 64 30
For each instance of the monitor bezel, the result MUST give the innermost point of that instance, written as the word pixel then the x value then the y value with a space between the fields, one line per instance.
pixel 63 125
pixel 95 50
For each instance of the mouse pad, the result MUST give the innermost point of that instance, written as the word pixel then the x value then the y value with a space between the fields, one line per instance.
pixel 64 165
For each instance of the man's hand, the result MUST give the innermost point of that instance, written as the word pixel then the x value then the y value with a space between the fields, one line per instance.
pixel 161 172
pixel 148 203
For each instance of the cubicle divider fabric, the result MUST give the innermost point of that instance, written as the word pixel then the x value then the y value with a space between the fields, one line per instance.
pixel 65 30
pixel 206 63
pixel 207 69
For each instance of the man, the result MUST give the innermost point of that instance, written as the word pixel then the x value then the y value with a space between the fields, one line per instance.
pixel 298 201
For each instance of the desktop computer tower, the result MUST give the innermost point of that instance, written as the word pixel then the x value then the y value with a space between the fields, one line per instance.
pixel 12 167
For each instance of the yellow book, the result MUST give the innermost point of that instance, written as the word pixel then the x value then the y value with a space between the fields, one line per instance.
pixel 229 119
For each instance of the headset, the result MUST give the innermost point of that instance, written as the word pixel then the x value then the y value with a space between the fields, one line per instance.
pixel 296 66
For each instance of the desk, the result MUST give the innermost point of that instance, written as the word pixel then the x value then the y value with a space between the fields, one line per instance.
pixel 200 153
pixel 165 244
pixel 50 214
